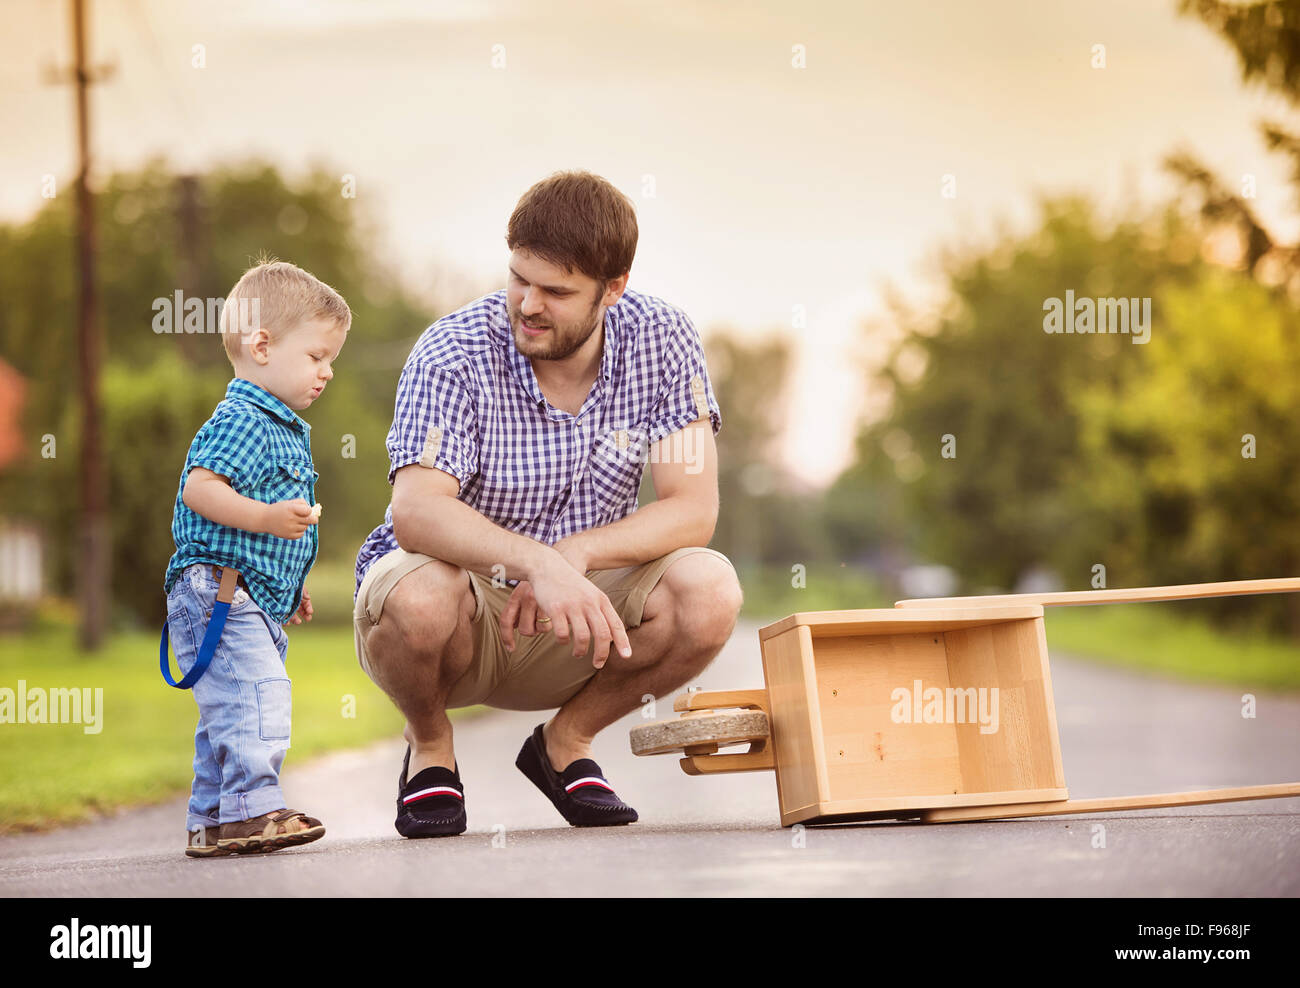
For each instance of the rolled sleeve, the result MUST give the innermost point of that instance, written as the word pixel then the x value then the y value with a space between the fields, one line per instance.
pixel 235 445
pixel 434 423
pixel 686 394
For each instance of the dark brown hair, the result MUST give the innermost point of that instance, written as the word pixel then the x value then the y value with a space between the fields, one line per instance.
pixel 576 220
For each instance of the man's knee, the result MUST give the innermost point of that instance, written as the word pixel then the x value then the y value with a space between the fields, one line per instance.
pixel 702 596
pixel 426 607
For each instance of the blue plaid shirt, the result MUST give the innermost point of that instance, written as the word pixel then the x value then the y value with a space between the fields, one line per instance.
pixel 469 403
pixel 262 445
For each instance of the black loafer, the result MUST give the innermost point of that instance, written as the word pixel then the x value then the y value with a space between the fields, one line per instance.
pixel 432 804
pixel 580 792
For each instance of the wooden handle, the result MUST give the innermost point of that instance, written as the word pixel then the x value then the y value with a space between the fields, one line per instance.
pixel 1130 595
pixel 698 761
pixel 745 761
pixel 1110 804
pixel 721 699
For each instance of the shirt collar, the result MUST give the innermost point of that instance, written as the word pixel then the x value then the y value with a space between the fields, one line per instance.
pixel 245 389
pixel 523 367
pixel 607 351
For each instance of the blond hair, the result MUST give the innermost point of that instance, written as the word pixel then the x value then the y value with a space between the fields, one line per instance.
pixel 277 296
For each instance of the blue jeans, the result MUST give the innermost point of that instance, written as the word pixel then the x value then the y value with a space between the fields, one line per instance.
pixel 243 698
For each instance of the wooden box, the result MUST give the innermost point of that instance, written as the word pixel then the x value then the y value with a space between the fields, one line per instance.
pixel 877 712
pixel 938 710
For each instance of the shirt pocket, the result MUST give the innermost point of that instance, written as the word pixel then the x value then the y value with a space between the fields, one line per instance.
pixel 617 462
pixel 292 478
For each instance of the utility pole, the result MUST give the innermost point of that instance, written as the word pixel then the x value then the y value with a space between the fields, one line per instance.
pixel 93 546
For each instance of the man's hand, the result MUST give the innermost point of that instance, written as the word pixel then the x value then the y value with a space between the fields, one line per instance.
pixel 428 518
pixel 521 609
pixel 289 519
pixel 304 611
pixel 576 606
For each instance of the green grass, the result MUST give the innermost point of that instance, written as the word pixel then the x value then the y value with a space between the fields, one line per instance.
pixel 330 584
pixel 56 773
pixel 770 593
pixel 1154 637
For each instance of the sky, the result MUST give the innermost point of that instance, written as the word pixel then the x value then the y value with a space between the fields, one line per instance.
pixel 764 189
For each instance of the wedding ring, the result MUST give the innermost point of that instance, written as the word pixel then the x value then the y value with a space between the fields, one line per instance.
pixel 545 620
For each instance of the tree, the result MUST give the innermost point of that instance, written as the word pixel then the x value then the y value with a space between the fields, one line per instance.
pixel 749 381
pixel 1202 461
pixel 1266 38
pixel 983 436
pixel 160 233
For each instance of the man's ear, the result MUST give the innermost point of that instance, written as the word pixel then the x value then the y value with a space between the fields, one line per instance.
pixel 614 290
pixel 259 342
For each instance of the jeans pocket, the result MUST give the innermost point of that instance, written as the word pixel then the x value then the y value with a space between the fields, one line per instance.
pixel 180 633
pixel 274 709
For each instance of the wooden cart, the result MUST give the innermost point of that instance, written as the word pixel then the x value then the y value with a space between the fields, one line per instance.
pixel 876 714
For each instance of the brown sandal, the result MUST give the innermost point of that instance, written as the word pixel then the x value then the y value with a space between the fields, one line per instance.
pixel 204 844
pixel 268 832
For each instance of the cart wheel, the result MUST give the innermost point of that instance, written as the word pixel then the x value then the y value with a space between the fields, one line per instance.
pixel 700 732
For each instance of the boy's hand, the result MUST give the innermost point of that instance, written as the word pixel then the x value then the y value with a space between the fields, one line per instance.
pixel 289 519
pixel 304 609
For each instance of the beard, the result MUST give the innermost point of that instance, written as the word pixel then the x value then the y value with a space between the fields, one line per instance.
pixel 563 341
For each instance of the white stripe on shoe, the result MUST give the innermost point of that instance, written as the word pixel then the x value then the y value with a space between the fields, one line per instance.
pixel 591 780
pixel 433 791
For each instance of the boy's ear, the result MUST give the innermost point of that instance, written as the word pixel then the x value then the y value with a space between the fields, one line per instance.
pixel 259 342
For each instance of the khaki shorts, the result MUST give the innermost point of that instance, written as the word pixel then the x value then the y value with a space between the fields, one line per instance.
pixel 542 672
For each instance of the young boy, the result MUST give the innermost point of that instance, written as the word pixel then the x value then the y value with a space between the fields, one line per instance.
pixel 245 503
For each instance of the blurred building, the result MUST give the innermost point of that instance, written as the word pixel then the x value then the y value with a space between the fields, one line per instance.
pixel 20 542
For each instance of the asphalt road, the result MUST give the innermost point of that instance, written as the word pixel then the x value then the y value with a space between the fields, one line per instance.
pixel 1121 734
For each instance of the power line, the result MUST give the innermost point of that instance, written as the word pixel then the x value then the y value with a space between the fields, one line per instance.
pixel 177 92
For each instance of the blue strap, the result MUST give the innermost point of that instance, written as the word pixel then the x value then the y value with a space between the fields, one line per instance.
pixel 210 637
pixel 206 650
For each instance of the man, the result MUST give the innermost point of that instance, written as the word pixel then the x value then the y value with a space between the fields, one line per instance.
pixel 513 567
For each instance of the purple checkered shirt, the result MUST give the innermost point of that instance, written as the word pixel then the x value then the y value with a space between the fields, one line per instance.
pixel 468 403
